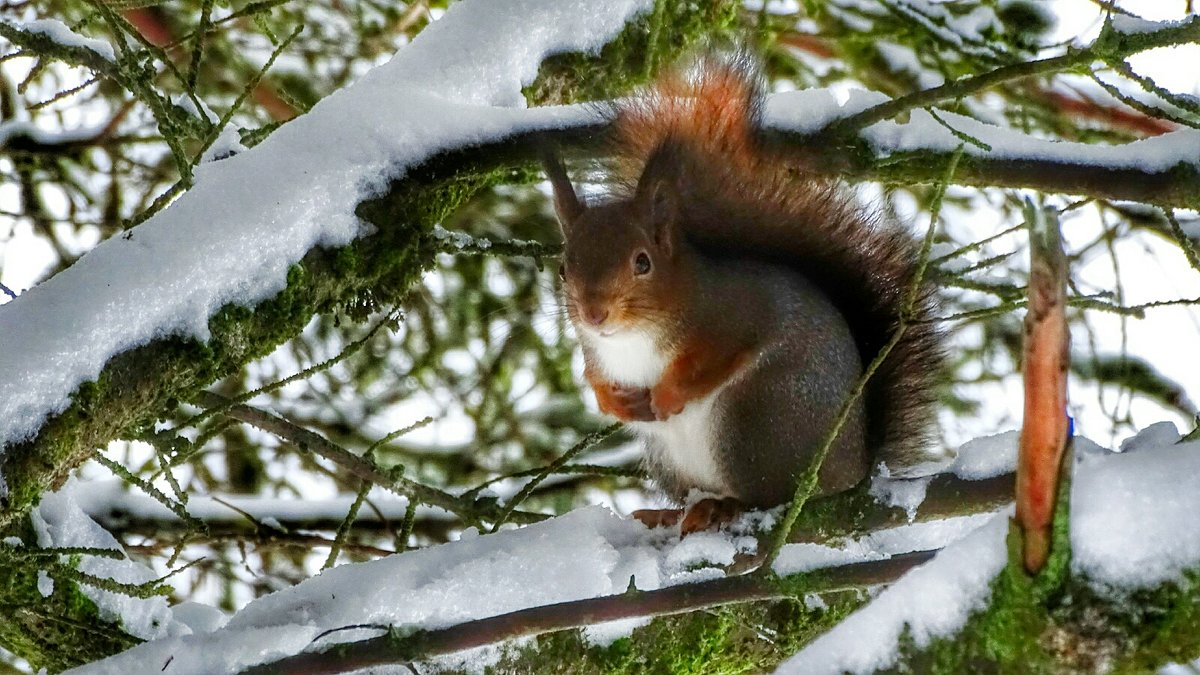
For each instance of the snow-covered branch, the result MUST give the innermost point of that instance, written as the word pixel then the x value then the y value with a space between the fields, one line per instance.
pixel 632 605
pixel 333 205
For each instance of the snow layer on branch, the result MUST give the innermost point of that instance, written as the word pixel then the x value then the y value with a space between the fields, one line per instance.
pixel 233 236
pixel 1133 526
pixel 1133 514
pixel 923 132
pixel 807 111
pixel 60 523
pixel 933 600
pixel 586 553
pixel 60 33
pixel 1132 25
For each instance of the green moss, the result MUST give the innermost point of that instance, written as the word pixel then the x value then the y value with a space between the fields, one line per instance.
pixel 55 632
pixel 652 40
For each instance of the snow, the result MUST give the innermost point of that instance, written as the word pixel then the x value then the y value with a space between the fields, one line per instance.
pixel 13 128
pixel 60 33
pixel 903 60
pixel 586 553
pixel 923 132
pixel 59 522
pixel 904 493
pixel 1132 527
pixel 1132 25
pixel 45 584
pixel 931 601
pixel 232 237
pixel 798 558
pixel 987 456
pixel 1133 514
pixel 1153 436
pixel 807 111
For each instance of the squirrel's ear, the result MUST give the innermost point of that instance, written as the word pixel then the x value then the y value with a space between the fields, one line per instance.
pixel 567 204
pixel 658 195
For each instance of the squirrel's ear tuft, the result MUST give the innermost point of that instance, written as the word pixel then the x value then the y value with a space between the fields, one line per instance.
pixel 567 204
pixel 658 195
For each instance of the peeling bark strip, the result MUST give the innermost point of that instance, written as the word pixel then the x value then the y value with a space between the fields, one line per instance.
pixel 1044 435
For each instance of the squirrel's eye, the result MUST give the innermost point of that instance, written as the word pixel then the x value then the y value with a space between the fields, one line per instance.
pixel 562 271
pixel 641 264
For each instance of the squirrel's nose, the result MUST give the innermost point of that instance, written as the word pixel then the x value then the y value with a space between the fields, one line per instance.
pixel 595 315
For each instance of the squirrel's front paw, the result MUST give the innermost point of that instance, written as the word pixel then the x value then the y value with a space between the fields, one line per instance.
pixel 666 402
pixel 628 404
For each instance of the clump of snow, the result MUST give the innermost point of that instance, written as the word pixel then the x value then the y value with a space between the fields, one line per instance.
pixel 931 601
pixel 233 236
pixel 987 456
pixel 1133 515
pixel 903 493
pixel 200 618
pixel 227 144
pixel 59 522
pixel 1154 436
pixel 903 60
pixel 45 584
pixel 1131 25
pixel 60 33
pixel 803 557
pixel 809 110
pixel 460 240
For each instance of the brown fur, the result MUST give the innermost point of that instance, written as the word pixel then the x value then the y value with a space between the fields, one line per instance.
pixel 744 198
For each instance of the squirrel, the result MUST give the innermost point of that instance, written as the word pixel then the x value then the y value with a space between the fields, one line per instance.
pixel 728 301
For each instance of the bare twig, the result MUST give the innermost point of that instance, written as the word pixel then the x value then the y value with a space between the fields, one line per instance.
pixel 360 467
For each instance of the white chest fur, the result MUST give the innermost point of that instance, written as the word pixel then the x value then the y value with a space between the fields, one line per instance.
pixel 682 445
pixel 629 357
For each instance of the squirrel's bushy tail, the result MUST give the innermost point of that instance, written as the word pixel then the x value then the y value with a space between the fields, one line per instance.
pixel 742 195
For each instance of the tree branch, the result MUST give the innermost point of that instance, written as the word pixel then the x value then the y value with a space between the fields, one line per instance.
pixel 1109 46
pixel 361 467
pixel 393 648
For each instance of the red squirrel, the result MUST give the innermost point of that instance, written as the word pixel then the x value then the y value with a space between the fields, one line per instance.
pixel 727 301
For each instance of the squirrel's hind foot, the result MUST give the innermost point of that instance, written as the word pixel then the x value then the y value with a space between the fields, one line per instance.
pixel 653 518
pixel 706 514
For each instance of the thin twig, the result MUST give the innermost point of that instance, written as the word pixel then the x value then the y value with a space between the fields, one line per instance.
pixel 360 467
pixel 583 444
pixel 343 531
